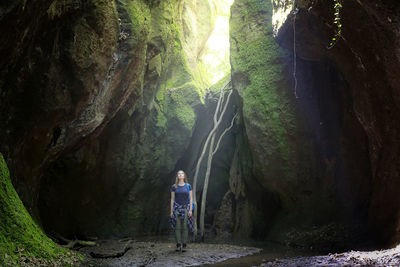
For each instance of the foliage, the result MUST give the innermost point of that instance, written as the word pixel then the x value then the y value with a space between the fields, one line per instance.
pixel 337 6
pixel 215 88
pixel 140 17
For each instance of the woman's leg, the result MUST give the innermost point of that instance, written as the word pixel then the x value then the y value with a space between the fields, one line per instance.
pixel 185 229
pixel 178 229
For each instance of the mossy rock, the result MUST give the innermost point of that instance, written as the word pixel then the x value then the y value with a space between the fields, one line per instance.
pixel 258 74
pixel 144 141
pixel 20 237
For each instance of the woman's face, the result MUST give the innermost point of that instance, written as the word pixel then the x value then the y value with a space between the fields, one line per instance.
pixel 181 175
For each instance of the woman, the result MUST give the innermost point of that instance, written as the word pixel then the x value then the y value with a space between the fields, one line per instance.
pixel 181 209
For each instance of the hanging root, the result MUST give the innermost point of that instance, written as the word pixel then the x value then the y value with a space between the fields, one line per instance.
pixel 295 10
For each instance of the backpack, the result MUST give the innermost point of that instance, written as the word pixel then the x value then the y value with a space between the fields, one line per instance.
pixel 187 185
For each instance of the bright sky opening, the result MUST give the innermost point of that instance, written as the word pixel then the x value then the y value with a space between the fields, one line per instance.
pixel 216 54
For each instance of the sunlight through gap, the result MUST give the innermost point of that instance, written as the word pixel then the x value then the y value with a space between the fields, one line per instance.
pixel 216 53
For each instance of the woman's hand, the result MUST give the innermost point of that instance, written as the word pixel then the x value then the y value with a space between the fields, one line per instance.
pixel 171 215
pixel 190 213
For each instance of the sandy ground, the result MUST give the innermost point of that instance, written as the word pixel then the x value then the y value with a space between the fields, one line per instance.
pixel 162 253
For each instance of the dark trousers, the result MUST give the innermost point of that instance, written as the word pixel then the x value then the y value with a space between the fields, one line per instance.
pixel 181 229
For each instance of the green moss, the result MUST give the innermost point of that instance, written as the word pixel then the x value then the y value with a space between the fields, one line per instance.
pixel 217 86
pixel 260 61
pixel 180 74
pixel 176 77
pixel 20 236
pixel 161 119
pixel 58 8
pixel 95 35
pixel 155 64
pixel 140 19
pixel 159 96
pixel 179 104
pixel 163 24
pixel 167 117
pixel 180 92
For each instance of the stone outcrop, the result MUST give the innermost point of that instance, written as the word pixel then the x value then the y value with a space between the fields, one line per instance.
pixel 98 103
pixel 324 156
pixel 106 183
pixel 61 71
pixel 366 56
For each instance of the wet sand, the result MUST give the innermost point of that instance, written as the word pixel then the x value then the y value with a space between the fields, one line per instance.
pixel 160 251
pixel 163 254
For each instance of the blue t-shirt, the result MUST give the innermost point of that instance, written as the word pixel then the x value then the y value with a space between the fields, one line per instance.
pixel 181 193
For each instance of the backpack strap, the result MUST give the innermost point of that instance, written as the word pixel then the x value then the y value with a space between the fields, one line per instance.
pixel 187 185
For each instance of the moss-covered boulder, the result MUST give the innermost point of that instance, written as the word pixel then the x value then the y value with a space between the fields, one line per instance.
pixel 22 240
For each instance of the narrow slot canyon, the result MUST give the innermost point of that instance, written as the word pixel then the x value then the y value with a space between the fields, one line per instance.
pixel 283 115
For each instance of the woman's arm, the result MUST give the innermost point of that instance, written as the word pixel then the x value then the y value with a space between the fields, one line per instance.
pixel 191 203
pixel 172 203
pixel 191 200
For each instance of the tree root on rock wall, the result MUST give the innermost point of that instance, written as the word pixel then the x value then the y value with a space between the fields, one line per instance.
pixel 70 244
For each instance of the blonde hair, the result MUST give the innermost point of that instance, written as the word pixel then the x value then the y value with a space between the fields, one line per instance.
pixel 176 177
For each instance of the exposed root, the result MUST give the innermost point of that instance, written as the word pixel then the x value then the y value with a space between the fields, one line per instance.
pixel 73 243
pixel 112 255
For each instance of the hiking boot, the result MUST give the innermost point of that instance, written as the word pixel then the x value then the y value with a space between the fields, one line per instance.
pixel 184 248
pixel 178 247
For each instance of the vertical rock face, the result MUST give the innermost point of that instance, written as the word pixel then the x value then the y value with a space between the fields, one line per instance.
pixel 97 104
pixel 367 56
pixel 331 153
pixel 61 69
pixel 258 76
pixel 303 148
pixel 105 184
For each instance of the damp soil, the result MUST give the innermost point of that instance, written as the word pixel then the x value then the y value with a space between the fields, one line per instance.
pixel 161 251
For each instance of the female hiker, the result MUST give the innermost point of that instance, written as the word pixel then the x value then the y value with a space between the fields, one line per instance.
pixel 181 210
